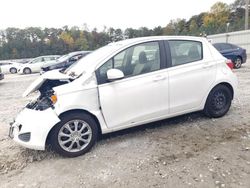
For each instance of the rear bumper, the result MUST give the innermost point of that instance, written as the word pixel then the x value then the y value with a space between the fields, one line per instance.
pixel 244 59
pixel 31 127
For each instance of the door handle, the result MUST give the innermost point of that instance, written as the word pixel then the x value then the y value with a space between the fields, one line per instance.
pixel 159 78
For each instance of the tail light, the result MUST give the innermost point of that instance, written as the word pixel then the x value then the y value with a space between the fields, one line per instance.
pixel 230 64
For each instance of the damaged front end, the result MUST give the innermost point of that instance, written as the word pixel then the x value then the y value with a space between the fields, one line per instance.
pixel 47 96
pixel 45 84
pixel 32 125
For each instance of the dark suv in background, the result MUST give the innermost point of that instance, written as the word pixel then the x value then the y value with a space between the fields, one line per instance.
pixel 230 51
pixel 65 61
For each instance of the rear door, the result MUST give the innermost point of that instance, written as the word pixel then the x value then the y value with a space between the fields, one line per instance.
pixel 143 94
pixel 36 64
pixel 191 74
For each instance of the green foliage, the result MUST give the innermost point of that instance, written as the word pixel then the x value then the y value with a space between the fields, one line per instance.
pixel 35 41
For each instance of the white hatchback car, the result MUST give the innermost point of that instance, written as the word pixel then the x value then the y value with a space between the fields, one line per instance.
pixel 10 67
pixel 122 85
pixel 35 65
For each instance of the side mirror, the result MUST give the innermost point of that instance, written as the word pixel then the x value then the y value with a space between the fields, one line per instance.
pixel 115 74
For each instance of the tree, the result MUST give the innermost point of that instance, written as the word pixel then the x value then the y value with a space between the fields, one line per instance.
pixel 81 42
pixel 67 39
pixel 215 21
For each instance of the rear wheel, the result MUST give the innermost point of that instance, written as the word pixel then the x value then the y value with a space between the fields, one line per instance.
pixel 74 135
pixel 238 63
pixel 26 71
pixel 218 101
pixel 13 70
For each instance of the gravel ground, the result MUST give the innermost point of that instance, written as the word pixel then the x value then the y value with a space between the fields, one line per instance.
pixel 187 151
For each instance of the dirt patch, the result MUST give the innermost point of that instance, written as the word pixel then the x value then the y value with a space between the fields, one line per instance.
pixel 187 151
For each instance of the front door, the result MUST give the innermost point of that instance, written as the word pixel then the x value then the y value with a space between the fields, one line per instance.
pixel 142 95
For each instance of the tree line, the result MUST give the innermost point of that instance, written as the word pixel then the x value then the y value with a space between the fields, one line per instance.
pixel 34 41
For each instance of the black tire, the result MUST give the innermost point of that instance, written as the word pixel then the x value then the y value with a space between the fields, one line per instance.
pixel 218 102
pixel 60 128
pixel 27 71
pixel 13 70
pixel 238 63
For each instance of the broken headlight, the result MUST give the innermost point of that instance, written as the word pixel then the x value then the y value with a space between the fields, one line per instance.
pixel 43 102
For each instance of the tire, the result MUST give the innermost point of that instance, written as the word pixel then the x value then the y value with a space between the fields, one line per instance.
pixel 26 71
pixel 237 63
pixel 13 70
pixel 218 102
pixel 64 138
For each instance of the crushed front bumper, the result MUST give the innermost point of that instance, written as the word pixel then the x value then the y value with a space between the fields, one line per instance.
pixel 31 127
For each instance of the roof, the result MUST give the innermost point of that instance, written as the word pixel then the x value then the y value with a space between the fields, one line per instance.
pixel 145 39
pixel 94 59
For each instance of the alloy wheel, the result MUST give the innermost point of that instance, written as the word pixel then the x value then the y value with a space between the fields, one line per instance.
pixel 74 135
pixel 237 63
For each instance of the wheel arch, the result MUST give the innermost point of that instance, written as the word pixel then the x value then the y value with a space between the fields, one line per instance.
pixel 12 68
pixel 227 84
pixel 239 56
pixel 76 111
pixel 27 68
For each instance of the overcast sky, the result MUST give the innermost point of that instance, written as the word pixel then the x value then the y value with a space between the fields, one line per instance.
pixel 98 13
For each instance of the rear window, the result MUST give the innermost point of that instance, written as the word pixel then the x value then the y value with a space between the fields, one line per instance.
pixel 226 46
pixel 217 46
pixel 183 51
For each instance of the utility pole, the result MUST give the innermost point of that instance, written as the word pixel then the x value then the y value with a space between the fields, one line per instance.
pixel 246 14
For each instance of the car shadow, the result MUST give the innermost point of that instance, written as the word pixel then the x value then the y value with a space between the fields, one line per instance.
pixel 2 83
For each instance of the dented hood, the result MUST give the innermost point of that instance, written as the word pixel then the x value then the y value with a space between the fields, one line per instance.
pixel 50 75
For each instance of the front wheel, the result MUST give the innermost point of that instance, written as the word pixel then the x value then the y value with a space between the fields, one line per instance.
pixel 218 101
pixel 13 70
pixel 27 71
pixel 74 135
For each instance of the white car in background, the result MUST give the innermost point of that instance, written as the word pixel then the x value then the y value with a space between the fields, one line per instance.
pixel 122 85
pixel 36 64
pixel 10 67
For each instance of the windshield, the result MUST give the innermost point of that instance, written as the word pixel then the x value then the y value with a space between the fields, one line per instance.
pixel 90 60
pixel 63 58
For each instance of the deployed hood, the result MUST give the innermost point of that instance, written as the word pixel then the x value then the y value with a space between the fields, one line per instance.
pixel 50 75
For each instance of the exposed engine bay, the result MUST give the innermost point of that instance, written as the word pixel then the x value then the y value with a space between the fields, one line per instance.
pixel 43 102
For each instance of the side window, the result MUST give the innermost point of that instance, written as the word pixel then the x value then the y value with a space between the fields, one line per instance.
pixel 136 60
pixel 37 60
pixel 225 46
pixel 184 51
pixel 75 58
pixel 47 59
pixel 234 46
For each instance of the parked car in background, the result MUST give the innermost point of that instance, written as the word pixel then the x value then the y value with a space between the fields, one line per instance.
pixel 10 67
pixel 231 51
pixel 65 61
pixel 1 74
pixel 122 85
pixel 36 64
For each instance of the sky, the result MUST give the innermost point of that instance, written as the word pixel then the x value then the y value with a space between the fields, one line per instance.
pixel 98 13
